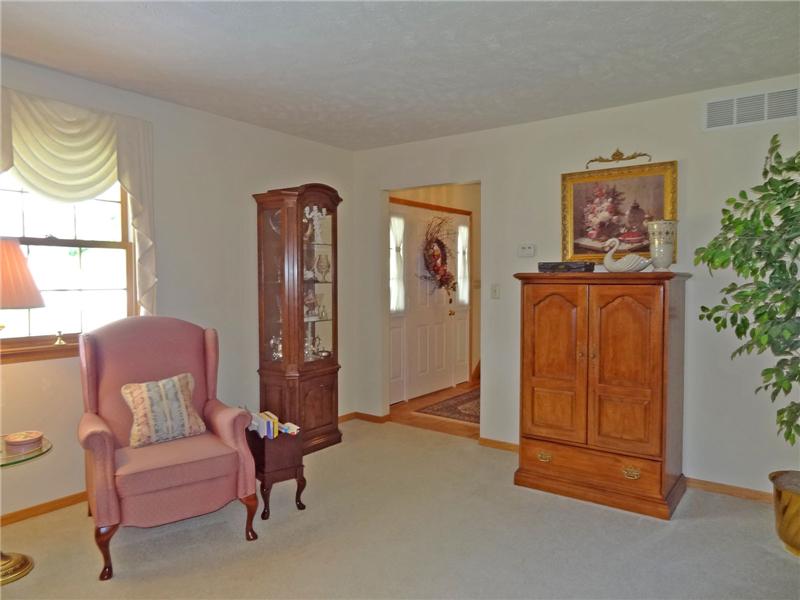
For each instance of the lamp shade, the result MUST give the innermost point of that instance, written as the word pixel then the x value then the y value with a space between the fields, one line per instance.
pixel 17 287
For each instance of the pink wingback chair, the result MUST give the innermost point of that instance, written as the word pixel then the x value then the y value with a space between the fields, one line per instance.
pixel 169 481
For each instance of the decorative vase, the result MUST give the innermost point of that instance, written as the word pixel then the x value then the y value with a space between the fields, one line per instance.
pixel 323 266
pixel 787 508
pixel 662 243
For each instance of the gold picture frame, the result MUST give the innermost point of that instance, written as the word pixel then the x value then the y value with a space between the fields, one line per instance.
pixel 605 200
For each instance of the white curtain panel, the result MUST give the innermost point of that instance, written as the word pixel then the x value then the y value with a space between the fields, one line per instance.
pixel 463 264
pixel 135 167
pixel 69 153
pixel 397 292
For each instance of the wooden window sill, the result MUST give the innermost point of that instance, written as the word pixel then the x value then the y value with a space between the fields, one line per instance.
pixel 18 350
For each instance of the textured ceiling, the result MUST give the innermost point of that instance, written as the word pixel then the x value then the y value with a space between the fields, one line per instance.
pixel 361 75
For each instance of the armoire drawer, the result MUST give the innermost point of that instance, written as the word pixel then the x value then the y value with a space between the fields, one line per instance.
pixel 590 467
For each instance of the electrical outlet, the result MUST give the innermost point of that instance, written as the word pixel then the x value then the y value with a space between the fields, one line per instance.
pixel 495 291
pixel 526 249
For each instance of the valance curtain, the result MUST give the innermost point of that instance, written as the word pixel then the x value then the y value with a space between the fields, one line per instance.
pixel 69 153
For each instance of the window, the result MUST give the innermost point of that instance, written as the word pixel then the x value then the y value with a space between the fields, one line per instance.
pixel 462 251
pixel 397 290
pixel 81 257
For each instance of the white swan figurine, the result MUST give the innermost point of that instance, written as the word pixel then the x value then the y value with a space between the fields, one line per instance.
pixel 630 263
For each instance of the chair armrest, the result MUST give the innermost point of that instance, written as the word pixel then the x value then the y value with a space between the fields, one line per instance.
pixel 230 424
pixel 96 438
pixel 95 435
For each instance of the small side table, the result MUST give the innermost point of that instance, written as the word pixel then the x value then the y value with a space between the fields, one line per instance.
pixel 277 460
pixel 14 565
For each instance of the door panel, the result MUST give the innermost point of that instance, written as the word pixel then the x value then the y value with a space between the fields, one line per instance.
pixel 437 349
pixel 397 354
pixel 423 364
pixel 554 361
pixel 318 405
pixel 625 368
pixel 461 323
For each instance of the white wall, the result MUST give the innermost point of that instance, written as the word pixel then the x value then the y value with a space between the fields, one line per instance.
pixel 729 433
pixel 206 168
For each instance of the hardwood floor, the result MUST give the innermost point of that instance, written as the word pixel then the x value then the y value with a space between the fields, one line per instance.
pixel 403 413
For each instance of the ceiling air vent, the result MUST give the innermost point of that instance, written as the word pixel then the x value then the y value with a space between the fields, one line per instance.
pixel 755 108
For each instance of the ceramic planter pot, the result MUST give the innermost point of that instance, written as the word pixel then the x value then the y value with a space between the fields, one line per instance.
pixel 787 508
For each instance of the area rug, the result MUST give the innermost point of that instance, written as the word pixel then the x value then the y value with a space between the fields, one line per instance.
pixel 464 407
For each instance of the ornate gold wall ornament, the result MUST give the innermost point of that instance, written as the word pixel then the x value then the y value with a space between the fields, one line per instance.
pixel 619 156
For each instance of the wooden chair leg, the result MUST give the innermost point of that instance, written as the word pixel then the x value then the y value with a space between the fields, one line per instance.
pixel 266 489
pixel 103 535
pixel 251 504
pixel 301 485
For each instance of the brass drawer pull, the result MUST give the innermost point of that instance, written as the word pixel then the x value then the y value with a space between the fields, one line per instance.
pixel 631 473
pixel 544 456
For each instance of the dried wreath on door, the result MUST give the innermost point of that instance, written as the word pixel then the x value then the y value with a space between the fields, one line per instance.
pixel 435 254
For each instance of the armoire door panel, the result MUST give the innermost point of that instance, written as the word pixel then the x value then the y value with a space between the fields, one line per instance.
pixel 554 346
pixel 621 418
pixel 554 409
pixel 625 367
pixel 554 362
pixel 626 360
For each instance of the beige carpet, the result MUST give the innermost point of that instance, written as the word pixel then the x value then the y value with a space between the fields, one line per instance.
pixel 399 512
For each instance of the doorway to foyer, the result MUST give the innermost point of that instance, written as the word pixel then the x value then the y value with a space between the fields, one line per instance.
pixel 434 311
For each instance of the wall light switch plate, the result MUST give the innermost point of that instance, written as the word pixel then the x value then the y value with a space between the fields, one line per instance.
pixel 526 250
pixel 495 291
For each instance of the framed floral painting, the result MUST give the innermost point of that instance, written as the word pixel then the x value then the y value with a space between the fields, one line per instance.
pixel 615 203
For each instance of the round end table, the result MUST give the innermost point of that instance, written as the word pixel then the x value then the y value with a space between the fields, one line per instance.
pixel 13 565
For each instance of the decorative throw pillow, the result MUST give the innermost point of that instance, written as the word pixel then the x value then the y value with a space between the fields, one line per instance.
pixel 162 410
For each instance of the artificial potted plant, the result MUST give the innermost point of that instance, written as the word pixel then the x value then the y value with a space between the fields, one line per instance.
pixel 760 240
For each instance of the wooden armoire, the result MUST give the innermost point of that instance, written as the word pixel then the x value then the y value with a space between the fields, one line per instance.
pixel 601 388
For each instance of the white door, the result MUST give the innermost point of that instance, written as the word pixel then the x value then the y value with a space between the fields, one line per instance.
pixel 433 330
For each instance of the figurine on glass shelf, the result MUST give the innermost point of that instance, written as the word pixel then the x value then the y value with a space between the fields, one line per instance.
pixel 276 347
pixel 323 267
pixel 312 347
pixel 315 215
pixel 310 302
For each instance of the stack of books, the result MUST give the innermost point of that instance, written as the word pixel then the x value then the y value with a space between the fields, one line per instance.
pixel 288 428
pixel 267 425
